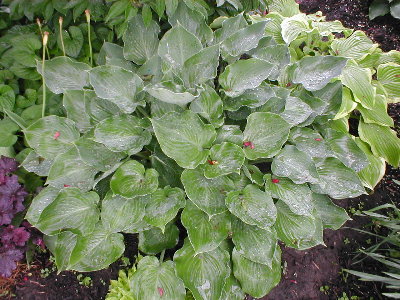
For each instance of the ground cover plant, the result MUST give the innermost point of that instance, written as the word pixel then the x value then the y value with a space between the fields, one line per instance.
pixel 234 128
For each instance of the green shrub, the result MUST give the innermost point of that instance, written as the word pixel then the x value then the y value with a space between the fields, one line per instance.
pixel 235 127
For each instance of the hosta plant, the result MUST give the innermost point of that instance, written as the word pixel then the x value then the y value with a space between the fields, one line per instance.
pixel 234 137
pixel 382 7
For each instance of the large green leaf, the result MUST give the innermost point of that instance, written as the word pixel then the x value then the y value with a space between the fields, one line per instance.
pixel 389 77
pixel 383 141
pixel 154 241
pixel 232 290
pixel 254 243
pixel 177 45
pixel 71 209
pixel 51 135
pixel 205 233
pixel 229 133
pixel 132 180
pixel 40 202
pixel 204 274
pixel 97 250
pixel 358 80
pixel 229 27
pixel 62 74
pixel 123 133
pixel 347 105
pixel 315 72
pixel 120 214
pixel 275 54
pixel 163 205
pixel 184 137
pixel 154 280
pixel 296 111
pixel 356 46
pixel 296 196
pixel 294 164
pixel 209 105
pixel 36 164
pixel 378 8
pixel 206 194
pixel 113 55
pixel 61 246
pixel 294 26
pixel 201 67
pixel 332 216
pixel 140 41
pixel 243 75
pixel 170 92
pixel 346 150
pixel 378 114
pixel 337 180
pixel 244 39
pixel 264 135
pixel 252 206
pixel 256 279
pixel 75 105
pixel 69 169
pixel 374 172
pixel 73 41
pixel 309 141
pixel 225 158
pixel 117 85
pixel 296 231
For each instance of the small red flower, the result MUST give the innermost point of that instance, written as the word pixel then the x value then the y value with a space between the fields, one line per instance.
pixel 248 144
pixel 56 135
pixel 318 139
pixel 288 84
pixel 275 180
pixel 66 185
pixel 213 162
pixel 26 278
pixel 161 291
pixel 397 75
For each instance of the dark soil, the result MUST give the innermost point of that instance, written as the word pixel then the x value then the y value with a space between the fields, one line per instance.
pixel 383 30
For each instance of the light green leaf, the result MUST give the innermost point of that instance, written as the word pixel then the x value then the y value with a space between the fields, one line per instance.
pixel 309 141
pixel 229 27
pixel 229 133
pixel 243 75
pixel 206 194
pixel 177 45
pixel 154 280
pixel 36 164
pixel 7 98
pixel 252 98
pixel 254 174
pixel 232 290
pixel 294 164
pixel 389 77
pixel 140 41
pixel 252 206
pixel 63 245
pixel 132 180
pixel 118 85
pixel 184 138
pixel 297 231
pixel 69 169
pixel 163 205
pixel 256 279
pixel 336 180
pixel 286 8
pixel 39 203
pixel 332 216
pixel 120 214
pixel 358 80
pixel 122 133
pixel 113 55
pixel 71 209
pixel 346 150
pixel 209 105
pixel 170 92
pixel 205 233
pixel 74 103
pixel 315 72
pixel 383 141
pixel 154 241
pixel 374 172
pixel 62 74
pixel 51 135
pixel 204 274
pixel 266 133
pixel 99 109
pixel 348 104
pixel 274 28
pixel 201 67
pixel 294 26
pixel 296 196
pixel 225 158
pixel 97 250
pixel 278 55
pixel 244 39
pixel 296 111
pixel 356 46
pixel 378 114
pixel 378 8
pixel 254 243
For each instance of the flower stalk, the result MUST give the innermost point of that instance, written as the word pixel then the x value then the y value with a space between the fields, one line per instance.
pixel 45 40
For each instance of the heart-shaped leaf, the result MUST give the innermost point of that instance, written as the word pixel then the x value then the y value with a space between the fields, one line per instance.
pixel 170 92
pixel 40 202
pixel 332 216
pixel 154 241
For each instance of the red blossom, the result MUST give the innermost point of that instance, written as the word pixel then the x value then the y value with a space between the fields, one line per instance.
pixel 212 162
pixel 318 139
pixel 161 291
pixel 248 144
pixel 275 180
pixel 56 135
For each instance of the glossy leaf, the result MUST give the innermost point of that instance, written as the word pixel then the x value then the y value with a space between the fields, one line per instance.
pixel 209 105
pixel 389 76
pixel 170 92
pixel 355 46
pixel 332 216
pixel 40 202
pixel 154 241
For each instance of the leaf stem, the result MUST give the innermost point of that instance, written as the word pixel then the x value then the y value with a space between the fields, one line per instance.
pixel 45 39
pixel 60 22
pixel 162 256
pixel 87 13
